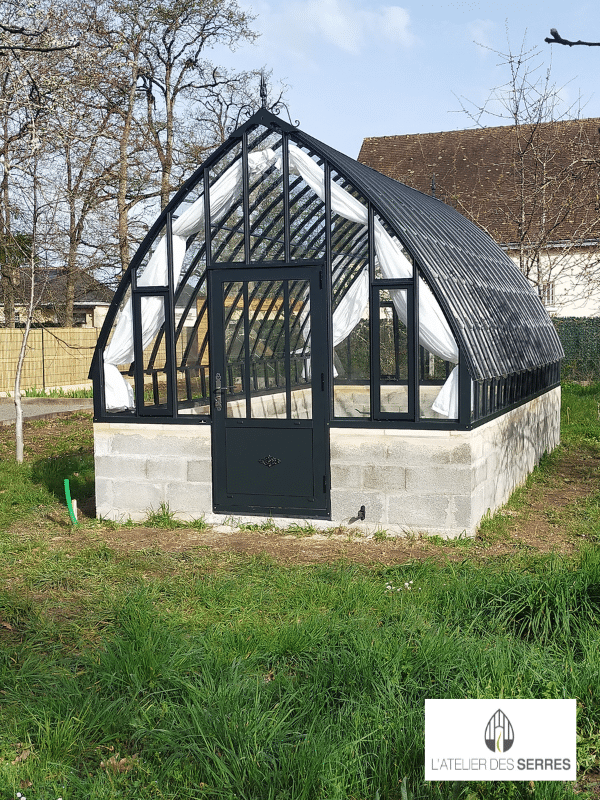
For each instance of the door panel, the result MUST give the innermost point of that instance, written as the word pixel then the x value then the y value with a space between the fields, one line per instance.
pixel 270 435
pixel 267 461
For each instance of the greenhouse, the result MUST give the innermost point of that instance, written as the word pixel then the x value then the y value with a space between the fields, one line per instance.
pixel 301 337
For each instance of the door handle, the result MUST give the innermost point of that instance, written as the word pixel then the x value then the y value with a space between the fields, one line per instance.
pixel 217 391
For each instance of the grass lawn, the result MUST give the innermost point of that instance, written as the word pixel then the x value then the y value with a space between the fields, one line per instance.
pixel 183 668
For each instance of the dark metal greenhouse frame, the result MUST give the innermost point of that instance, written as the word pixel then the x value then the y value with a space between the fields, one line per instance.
pixel 508 349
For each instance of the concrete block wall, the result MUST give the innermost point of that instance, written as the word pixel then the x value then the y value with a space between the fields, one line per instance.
pixel 439 482
pixel 140 466
pixel 434 482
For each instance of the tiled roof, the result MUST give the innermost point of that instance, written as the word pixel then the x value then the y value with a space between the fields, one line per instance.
pixel 477 172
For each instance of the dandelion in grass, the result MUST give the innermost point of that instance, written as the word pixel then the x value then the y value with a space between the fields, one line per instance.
pixel 390 588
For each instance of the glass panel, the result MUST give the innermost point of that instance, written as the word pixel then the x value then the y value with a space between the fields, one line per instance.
pixel 228 237
pixel 193 377
pixel 235 304
pixel 154 358
pixel 266 211
pixel 123 367
pixel 194 265
pixel 393 351
pixel 434 372
pixel 267 343
pixel 351 364
pixel 433 368
pixel 299 322
pixel 392 261
pixel 350 302
pixel 194 194
pixel 153 269
pixel 427 396
pixel 307 220
pixel 267 337
pixel 227 231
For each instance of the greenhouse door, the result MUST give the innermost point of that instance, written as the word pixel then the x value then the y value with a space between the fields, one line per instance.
pixel 270 445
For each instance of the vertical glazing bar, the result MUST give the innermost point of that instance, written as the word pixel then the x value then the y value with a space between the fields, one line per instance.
pixel 414 404
pixel 464 392
pixel 326 283
pixel 170 325
pixel 207 235
pixel 286 195
pixel 99 389
pixel 246 197
pixel 286 351
pixel 247 377
pixel 374 367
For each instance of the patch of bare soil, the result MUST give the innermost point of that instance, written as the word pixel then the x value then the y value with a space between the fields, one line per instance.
pixel 538 525
pixel 290 549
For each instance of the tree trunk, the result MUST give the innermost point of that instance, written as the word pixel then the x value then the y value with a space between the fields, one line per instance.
pixel 123 176
pixel 6 265
pixel 21 359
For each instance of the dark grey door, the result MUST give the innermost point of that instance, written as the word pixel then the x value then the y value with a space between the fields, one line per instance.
pixel 270 445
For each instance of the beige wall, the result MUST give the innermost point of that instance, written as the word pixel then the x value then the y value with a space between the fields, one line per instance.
pixel 55 357
pixel 575 279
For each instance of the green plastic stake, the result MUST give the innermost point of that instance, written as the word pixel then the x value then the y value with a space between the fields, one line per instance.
pixel 69 502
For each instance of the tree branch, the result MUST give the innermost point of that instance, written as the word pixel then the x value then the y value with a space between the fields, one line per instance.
pixel 557 39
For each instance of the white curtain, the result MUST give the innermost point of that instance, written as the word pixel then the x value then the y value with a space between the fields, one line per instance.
pixel 118 392
pixel 434 333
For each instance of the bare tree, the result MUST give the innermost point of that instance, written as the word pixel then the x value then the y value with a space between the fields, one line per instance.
pixel 547 196
pixel 40 215
pixel 177 75
pixel 30 52
pixel 156 76
pixel 30 49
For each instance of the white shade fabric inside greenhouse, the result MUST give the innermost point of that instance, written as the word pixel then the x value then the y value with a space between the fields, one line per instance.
pixel 434 332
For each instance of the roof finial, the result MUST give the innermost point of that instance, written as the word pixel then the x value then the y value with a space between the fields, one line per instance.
pixel 247 109
pixel 263 89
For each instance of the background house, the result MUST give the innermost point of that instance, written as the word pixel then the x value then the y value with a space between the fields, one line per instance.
pixel 534 188
pixel 91 299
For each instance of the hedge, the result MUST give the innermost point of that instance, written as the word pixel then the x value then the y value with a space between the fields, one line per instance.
pixel 580 337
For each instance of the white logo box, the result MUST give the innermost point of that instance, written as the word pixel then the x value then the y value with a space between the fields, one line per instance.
pixel 500 740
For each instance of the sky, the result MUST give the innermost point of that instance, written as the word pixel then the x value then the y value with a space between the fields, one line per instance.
pixel 361 68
